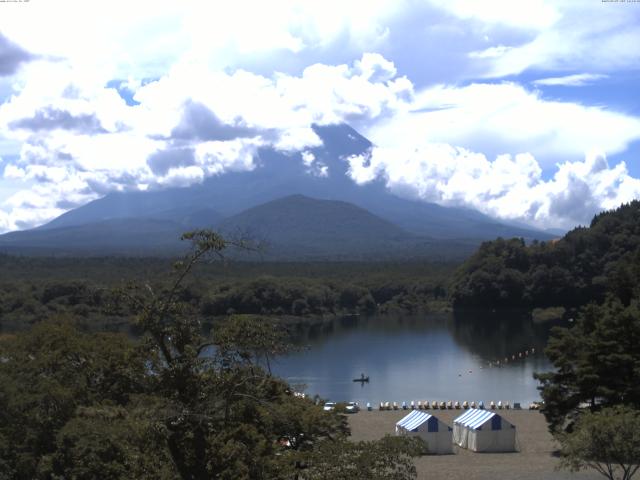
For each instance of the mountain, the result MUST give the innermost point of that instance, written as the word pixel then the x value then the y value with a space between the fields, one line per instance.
pixel 291 228
pixel 128 236
pixel 278 175
pixel 275 176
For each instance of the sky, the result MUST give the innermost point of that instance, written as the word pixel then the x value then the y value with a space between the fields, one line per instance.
pixel 527 111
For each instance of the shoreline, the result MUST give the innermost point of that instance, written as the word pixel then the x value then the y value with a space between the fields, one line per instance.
pixel 534 459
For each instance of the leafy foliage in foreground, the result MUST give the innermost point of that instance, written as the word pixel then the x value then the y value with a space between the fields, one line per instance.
pixel 177 404
pixel 607 441
pixel 597 363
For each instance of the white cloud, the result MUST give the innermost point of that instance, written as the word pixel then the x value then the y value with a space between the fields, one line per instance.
pixel 509 187
pixel 119 39
pixel 593 36
pixel 527 14
pixel 314 167
pixel 576 80
pixel 505 118
pixel 80 140
pixel 77 140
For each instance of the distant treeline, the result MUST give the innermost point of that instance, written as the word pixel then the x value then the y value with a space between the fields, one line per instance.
pixel 33 289
pixel 582 267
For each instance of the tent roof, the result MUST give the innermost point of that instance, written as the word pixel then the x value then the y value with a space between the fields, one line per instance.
pixel 413 420
pixel 475 418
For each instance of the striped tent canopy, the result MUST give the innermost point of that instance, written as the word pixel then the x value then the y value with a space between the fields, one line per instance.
pixel 475 418
pixel 437 435
pixel 416 418
pixel 484 431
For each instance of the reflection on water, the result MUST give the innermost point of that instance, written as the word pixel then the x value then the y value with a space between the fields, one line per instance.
pixel 436 357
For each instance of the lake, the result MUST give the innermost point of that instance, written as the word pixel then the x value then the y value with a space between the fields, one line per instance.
pixel 430 357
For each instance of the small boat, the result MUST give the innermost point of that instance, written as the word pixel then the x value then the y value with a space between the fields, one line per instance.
pixel 419 404
pixel 413 405
pixel 404 405
pixel 443 406
pixel 369 407
pixel 473 404
pixel 449 405
pixel 427 406
pixel 465 404
pixel 362 379
pixel 492 405
pixel 500 405
pixel 434 405
pixel 481 405
pixel 507 406
pixel 456 405
pixel 382 406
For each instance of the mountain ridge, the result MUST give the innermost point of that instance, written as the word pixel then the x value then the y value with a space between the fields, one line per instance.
pixel 275 176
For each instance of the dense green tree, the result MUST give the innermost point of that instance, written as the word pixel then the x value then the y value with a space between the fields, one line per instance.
pixel 47 374
pixel 607 441
pixel 386 459
pixel 583 266
pixel 251 339
pixel 597 363
pixel 178 403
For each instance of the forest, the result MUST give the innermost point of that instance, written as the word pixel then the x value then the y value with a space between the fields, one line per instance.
pixel 35 288
pixel 582 267
pixel 591 276
pixel 78 401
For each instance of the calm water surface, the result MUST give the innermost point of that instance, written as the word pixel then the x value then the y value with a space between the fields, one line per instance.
pixel 437 357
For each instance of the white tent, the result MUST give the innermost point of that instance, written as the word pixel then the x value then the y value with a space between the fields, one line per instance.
pixel 436 433
pixel 484 431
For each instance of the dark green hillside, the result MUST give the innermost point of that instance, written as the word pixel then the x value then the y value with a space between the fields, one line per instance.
pixel 124 236
pixel 299 219
pixel 302 228
pixel 577 269
pixel 293 228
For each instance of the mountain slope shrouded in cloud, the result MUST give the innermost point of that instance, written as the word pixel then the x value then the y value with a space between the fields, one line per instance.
pixel 303 205
pixel 321 173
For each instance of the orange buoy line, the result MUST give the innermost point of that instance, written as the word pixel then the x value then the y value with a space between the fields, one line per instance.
pixel 512 358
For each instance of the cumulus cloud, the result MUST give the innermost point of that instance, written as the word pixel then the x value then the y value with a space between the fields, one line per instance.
pixel 164 160
pixel 11 56
pixel 50 119
pixel 81 140
pixel 314 166
pixel 506 117
pixel 207 87
pixel 509 187
pixel 200 123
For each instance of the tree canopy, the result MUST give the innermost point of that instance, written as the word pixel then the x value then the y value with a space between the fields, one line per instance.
pixel 579 268
pixel 607 441
pixel 175 403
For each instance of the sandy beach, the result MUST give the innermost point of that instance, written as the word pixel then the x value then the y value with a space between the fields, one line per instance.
pixel 533 460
